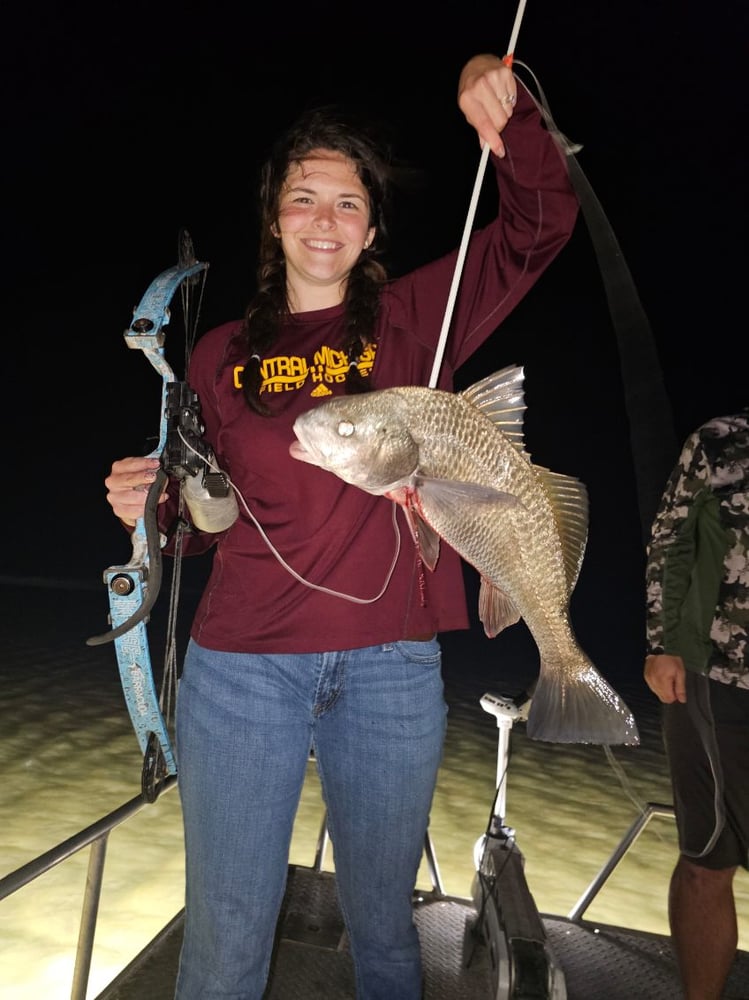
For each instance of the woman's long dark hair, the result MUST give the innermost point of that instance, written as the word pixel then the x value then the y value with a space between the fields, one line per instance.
pixel 328 129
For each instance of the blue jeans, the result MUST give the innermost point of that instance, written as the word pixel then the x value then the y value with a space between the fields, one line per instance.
pixel 376 719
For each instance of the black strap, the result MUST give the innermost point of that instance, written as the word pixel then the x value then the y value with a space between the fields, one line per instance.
pixel 654 443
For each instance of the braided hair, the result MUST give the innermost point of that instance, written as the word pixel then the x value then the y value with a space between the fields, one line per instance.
pixel 319 129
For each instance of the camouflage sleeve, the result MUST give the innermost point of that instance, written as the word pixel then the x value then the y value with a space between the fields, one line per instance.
pixel 670 544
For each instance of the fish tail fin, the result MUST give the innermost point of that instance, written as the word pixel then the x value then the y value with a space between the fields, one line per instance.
pixel 579 706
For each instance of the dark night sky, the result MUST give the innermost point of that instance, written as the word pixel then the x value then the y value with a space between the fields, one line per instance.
pixel 123 123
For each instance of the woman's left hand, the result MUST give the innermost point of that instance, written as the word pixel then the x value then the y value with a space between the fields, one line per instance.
pixel 487 93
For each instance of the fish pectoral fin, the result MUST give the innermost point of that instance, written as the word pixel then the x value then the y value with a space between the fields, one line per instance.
pixel 496 610
pixel 426 539
pixel 445 499
pixel 451 496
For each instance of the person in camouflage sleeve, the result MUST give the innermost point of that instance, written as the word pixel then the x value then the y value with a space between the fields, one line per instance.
pixel 697 579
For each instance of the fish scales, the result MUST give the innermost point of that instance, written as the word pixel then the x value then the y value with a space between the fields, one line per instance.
pixel 445 458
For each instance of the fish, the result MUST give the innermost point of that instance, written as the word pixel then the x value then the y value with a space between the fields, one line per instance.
pixel 457 465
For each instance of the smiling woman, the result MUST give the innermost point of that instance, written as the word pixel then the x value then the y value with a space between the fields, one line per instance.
pixel 275 667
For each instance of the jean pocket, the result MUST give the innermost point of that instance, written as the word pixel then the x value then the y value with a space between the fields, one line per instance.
pixel 419 650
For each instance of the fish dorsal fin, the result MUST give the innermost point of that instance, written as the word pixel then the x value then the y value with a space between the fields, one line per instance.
pixel 500 398
pixel 569 501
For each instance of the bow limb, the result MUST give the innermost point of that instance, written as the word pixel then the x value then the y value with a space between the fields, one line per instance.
pixel 133 587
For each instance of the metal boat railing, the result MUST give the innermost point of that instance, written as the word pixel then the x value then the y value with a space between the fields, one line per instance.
pixel 96 837
pixel 651 809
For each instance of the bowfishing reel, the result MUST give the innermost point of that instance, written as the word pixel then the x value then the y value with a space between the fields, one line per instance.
pixel 207 490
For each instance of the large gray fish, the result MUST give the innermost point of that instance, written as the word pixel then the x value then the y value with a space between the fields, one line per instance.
pixel 456 463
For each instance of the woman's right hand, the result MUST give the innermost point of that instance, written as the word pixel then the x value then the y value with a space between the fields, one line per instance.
pixel 127 487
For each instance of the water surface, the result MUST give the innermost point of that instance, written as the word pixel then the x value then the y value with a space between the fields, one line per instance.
pixel 69 756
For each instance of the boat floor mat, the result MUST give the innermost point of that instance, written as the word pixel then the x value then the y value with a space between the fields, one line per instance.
pixel 312 960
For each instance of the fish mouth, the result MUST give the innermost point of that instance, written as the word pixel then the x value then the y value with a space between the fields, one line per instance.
pixel 298 451
pixel 352 477
pixel 313 456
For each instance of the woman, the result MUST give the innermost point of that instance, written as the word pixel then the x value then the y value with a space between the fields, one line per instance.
pixel 318 626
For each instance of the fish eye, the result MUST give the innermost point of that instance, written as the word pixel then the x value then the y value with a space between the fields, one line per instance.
pixel 345 429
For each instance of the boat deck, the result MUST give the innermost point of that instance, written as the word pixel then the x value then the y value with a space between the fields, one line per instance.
pixel 312 961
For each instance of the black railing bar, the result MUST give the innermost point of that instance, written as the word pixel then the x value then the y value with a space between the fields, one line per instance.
pixel 89 915
pixel 629 838
pixel 38 866
pixel 322 844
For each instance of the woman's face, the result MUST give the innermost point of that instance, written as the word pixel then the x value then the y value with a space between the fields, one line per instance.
pixel 323 225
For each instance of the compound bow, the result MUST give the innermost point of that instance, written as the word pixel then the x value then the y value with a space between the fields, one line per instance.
pixel 133 587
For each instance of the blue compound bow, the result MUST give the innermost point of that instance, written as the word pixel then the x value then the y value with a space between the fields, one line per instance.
pixel 134 586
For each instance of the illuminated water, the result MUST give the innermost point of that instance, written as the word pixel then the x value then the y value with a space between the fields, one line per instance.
pixel 69 756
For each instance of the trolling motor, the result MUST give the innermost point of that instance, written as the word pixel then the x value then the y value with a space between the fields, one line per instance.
pixel 507 711
pixel 508 921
